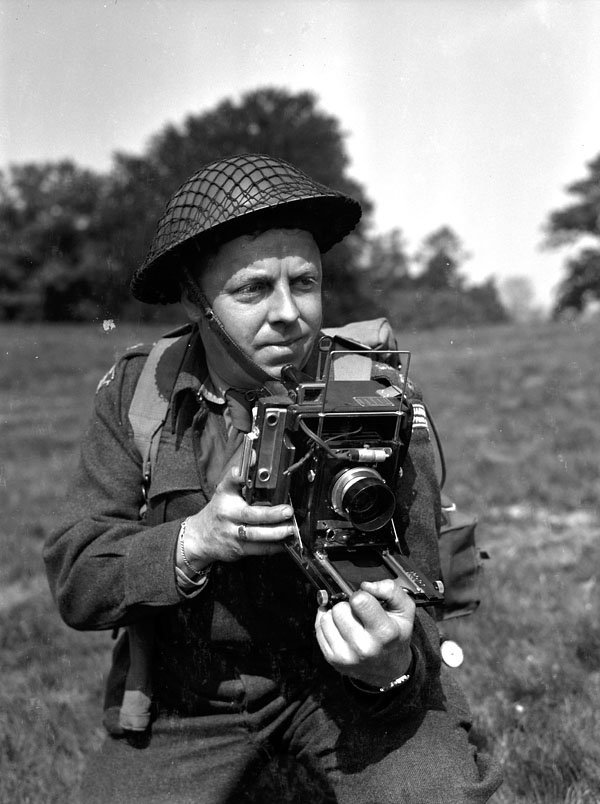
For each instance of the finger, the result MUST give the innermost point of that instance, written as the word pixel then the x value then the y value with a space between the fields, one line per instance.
pixel 360 628
pixel 324 646
pixel 373 619
pixel 266 514
pixel 342 631
pixel 262 533
pixel 391 594
pixel 263 548
pixel 332 644
pixel 232 480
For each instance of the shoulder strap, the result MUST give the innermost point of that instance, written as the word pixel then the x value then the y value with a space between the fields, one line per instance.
pixel 149 405
pixel 440 449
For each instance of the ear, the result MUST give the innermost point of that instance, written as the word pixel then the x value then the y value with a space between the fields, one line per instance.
pixel 194 313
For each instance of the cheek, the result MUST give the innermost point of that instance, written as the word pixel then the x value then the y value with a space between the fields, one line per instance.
pixel 242 322
pixel 312 311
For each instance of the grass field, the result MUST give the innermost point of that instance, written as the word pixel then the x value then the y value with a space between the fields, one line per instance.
pixel 519 412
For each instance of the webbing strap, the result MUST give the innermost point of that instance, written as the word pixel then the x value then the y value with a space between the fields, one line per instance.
pixel 148 409
pixel 233 349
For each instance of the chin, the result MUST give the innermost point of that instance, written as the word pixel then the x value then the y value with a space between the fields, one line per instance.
pixel 277 362
pixel 274 369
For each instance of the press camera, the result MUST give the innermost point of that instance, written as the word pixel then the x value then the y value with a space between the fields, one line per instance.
pixel 334 448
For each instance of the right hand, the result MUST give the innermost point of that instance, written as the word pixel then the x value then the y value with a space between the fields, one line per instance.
pixel 213 534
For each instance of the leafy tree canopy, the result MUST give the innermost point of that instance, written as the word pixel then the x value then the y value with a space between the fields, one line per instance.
pixel 274 121
pixel 441 256
pixel 48 216
pixel 68 233
pixel 70 238
pixel 437 294
pixel 579 223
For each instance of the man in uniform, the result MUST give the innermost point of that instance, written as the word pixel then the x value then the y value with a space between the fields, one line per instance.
pixel 239 662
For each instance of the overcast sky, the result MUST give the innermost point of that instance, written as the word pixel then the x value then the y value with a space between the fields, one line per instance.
pixel 470 113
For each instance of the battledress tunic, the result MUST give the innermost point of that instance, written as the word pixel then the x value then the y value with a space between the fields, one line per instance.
pixel 237 674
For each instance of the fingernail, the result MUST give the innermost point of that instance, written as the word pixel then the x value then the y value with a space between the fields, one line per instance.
pixel 288 512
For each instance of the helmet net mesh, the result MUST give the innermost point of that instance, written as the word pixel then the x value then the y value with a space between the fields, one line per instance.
pixel 226 190
pixel 223 193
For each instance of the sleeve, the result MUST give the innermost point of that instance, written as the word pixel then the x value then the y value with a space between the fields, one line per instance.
pixel 104 565
pixel 417 694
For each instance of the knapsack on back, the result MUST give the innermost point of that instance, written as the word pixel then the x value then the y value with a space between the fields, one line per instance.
pixel 461 560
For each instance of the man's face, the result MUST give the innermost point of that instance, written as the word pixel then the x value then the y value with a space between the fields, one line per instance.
pixel 266 290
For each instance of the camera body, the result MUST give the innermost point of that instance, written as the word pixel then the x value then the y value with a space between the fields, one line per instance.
pixel 334 448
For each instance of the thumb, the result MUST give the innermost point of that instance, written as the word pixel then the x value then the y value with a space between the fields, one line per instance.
pixel 390 593
pixel 232 480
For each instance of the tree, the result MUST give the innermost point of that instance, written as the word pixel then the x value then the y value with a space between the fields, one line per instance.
pixel 70 239
pixel 438 295
pixel 441 256
pixel 47 225
pixel 487 307
pixel 578 224
pixel 386 262
pixel 582 283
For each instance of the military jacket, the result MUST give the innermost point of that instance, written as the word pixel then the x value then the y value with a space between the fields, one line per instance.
pixel 109 568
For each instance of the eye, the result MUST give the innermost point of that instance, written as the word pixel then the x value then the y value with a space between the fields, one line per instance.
pixel 306 282
pixel 251 290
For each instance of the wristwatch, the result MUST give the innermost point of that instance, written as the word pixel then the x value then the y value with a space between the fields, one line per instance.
pixel 393 685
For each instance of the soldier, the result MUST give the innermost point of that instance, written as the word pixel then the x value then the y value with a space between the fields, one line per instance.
pixel 221 632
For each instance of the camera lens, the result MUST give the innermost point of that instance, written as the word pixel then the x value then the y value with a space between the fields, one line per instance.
pixel 361 495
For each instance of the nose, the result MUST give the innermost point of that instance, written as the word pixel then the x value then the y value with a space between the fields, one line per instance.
pixel 283 307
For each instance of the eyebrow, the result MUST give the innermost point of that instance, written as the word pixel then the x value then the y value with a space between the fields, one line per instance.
pixel 244 274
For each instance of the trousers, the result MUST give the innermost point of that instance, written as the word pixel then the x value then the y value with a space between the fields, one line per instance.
pixel 338 755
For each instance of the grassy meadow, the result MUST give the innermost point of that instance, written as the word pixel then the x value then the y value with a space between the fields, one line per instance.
pixel 518 409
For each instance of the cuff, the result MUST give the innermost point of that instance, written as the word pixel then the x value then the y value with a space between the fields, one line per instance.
pixel 149 575
pixel 396 701
pixel 398 682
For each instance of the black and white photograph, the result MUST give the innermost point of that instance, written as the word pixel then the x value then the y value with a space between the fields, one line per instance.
pixel 299 401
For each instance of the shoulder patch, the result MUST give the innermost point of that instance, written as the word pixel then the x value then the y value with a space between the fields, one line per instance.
pixel 138 350
pixel 108 378
pixel 420 417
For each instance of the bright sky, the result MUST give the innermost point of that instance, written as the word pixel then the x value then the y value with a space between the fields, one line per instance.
pixel 470 113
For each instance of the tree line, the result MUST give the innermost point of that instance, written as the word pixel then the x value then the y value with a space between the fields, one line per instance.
pixel 70 238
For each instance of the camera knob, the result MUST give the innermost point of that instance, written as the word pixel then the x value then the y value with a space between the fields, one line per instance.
pixel 322 597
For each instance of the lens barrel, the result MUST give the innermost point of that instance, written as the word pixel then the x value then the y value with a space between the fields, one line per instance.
pixel 361 495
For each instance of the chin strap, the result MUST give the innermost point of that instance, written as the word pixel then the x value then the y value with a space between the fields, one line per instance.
pixel 265 383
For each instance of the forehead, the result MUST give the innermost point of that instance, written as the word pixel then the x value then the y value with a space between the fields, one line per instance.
pixel 260 252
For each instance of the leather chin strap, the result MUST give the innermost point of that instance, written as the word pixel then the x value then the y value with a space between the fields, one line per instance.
pixel 266 383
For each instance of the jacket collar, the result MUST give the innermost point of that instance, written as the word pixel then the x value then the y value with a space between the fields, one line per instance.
pixel 194 379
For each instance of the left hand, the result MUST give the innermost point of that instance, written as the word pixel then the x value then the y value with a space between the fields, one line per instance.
pixel 365 641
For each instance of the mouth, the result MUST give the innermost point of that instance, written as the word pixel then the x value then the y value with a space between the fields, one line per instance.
pixel 287 344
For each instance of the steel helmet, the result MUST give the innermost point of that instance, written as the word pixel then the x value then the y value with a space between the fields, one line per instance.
pixel 235 196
